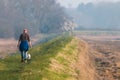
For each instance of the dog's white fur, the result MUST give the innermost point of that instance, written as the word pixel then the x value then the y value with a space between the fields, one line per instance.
pixel 29 56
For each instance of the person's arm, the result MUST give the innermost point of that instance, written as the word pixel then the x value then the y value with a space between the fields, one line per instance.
pixel 30 44
pixel 29 41
pixel 18 44
pixel 19 41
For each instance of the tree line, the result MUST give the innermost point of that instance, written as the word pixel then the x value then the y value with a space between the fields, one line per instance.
pixel 39 16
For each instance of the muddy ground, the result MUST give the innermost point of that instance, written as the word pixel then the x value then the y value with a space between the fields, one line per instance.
pixel 106 52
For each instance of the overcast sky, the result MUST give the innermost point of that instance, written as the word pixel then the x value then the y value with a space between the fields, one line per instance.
pixel 74 3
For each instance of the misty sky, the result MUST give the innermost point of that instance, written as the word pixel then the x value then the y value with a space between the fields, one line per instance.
pixel 74 3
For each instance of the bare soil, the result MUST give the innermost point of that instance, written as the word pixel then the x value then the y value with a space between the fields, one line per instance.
pixel 7 46
pixel 106 57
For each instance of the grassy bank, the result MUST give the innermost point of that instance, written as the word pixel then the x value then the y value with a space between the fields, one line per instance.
pixel 53 60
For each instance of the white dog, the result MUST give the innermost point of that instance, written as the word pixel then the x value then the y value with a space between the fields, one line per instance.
pixel 28 56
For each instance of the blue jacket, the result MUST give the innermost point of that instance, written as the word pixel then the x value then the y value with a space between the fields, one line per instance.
pixel 24 46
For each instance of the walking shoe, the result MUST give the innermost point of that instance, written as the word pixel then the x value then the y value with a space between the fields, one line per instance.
pixel 25 61
pixel 22 60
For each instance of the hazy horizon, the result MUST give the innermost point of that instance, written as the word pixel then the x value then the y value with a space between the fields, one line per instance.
pixel 75 3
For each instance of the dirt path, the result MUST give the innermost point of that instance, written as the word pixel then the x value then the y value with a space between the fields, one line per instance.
pixel 107 58
pixel 85 63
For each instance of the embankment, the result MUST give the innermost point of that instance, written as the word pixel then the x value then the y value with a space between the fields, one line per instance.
pixel 63 58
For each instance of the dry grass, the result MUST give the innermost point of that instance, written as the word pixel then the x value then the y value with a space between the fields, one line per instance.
pixel 65 61
pixel 86 63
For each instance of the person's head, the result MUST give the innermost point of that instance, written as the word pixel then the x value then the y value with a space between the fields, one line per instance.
pixel 25 31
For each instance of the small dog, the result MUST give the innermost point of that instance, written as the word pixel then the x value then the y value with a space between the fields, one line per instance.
pixel 28 56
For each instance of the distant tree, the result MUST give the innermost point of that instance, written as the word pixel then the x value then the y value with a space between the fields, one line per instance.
pixel 39 16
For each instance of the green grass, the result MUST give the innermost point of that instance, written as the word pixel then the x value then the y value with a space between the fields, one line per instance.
pixel 39 69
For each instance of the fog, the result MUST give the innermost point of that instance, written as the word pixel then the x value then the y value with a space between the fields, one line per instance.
pixel 75 3
pixel 100 16
pixel 50 16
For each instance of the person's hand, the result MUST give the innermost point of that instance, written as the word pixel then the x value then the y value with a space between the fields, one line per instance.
pixel 17 46
pixel 30 45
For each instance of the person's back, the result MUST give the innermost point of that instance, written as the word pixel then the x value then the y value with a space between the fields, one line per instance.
pixel 24 39
pixel 23 44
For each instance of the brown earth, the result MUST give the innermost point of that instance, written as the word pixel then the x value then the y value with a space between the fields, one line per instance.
pixel 104 55
pixel 85 63
pixel 7 46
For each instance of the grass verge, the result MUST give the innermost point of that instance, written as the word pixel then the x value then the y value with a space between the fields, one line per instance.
pixel 53 60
